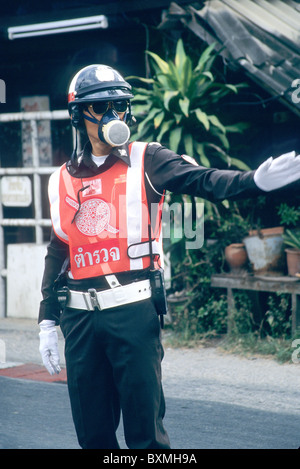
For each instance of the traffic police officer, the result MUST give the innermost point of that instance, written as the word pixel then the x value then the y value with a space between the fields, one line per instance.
pixel 104 260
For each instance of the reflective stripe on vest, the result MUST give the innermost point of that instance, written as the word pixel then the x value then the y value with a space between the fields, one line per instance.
pixel 109 234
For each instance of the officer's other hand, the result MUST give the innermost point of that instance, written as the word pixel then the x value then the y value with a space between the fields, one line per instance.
pixel 49 346
pixel 278 172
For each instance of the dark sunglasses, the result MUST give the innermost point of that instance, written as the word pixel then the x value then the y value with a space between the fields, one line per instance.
pixel 101 107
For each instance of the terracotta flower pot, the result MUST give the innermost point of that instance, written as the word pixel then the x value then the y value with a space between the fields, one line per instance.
pixel 293 261
pixel 236 257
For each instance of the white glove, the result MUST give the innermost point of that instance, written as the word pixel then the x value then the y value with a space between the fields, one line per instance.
pixel 278 172
pixel 49 346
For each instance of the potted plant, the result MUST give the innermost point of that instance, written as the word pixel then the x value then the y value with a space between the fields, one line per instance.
pixel 289 217
pixel 264 245
pixel 230 228
pixel 292 239
pixel 234 228
pixel 265 250
pixel 236 257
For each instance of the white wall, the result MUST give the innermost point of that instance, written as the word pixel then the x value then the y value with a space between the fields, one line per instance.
pixel 25 266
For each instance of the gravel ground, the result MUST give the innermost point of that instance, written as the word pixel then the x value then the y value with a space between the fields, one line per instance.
pixel 208 374
pixel 202 373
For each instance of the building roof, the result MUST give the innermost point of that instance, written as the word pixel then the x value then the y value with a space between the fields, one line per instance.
pixel 262 37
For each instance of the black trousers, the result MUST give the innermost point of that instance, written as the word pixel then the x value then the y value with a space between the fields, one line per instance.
pixel 113 360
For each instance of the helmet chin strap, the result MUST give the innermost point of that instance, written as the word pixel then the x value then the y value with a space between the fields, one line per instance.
pixel 74 153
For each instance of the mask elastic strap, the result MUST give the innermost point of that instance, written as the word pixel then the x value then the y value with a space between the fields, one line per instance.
pixel 91 119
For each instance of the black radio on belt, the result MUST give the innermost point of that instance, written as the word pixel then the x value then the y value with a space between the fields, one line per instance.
pixel 158 292
pixel 63 297
pixel 157 283
pixel 60 288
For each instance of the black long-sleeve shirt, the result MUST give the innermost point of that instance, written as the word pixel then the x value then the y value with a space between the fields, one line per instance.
pixel 164 170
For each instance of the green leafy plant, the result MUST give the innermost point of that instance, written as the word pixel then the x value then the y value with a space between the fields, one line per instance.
pixel 278 315
pixel 232 226
pixel 291 239
pixel 289 216
pixel 178 107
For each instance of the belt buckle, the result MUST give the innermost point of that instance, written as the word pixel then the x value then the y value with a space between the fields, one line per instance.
pixel 94 298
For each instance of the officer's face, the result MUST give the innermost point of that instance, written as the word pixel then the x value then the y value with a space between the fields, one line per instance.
pixel 99 147
pixel 91 127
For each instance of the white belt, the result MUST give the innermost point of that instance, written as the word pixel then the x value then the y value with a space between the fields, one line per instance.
pixel 111 298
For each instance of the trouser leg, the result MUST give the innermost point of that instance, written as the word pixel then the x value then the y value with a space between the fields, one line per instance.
pixel 135 351
pixel 93 395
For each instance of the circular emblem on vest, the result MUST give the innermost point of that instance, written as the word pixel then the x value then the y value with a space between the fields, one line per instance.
pixel 94 217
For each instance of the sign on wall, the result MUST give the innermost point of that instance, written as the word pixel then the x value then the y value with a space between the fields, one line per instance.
pixel 16 191
pixel 35 104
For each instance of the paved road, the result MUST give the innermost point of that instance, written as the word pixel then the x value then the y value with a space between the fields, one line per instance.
pixel 29 421
pixel 214 399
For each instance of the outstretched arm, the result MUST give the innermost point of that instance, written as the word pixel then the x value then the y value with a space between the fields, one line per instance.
pixel 169 171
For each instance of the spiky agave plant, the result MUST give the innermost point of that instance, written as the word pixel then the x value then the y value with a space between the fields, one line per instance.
pixel 175 107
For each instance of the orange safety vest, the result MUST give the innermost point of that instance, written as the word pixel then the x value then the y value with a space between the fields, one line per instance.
pixel 109 234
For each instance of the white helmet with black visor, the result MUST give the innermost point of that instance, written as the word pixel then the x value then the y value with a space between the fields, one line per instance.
pixel 99 85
